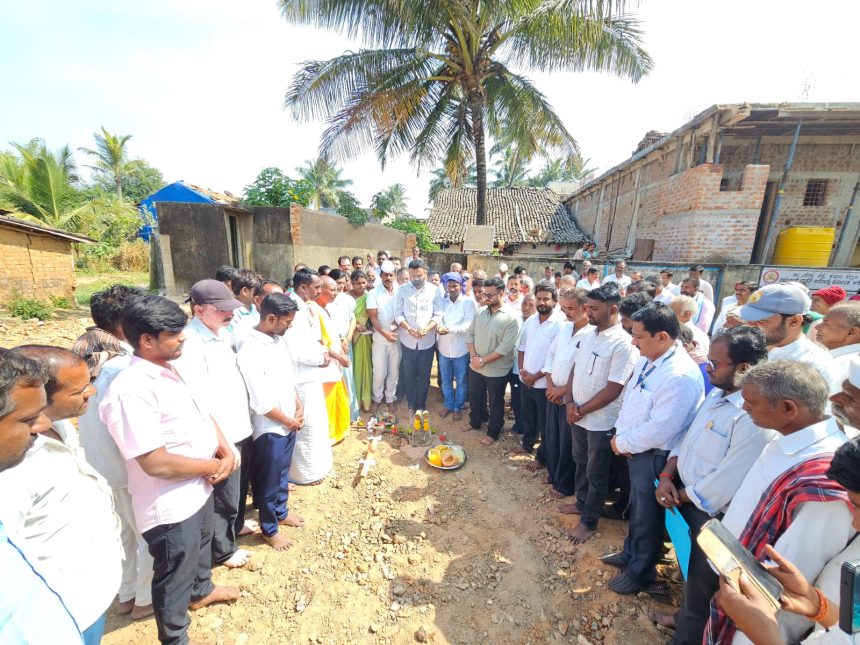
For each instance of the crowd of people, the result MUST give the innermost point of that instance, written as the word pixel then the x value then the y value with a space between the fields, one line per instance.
pixel 126 460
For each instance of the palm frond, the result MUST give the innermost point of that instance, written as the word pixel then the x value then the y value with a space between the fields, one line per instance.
pixel 379 23
pixel 574 36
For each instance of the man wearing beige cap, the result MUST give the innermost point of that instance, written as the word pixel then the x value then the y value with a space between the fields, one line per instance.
pixel 208 366
pixel 779 310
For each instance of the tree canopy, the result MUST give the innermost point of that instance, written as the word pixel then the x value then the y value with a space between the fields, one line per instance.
pixel 439 75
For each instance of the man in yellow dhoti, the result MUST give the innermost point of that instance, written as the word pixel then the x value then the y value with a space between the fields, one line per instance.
pixel 336 396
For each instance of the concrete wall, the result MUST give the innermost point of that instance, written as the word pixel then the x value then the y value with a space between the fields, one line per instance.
pixel 193 243
pixel 441 260
pixel 35 266
pixel 319 238
pixel 274 254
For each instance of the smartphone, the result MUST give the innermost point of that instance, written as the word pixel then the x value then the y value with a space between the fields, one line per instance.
pixel 731 559
pixel 849 602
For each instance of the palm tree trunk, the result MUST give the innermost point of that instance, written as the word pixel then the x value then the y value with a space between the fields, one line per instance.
pixel 476 105
pixel 117 178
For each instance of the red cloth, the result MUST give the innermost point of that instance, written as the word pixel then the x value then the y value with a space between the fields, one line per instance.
pixel 831 295
pixel 805 482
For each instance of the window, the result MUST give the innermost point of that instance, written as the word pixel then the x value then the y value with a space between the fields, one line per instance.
pixel 815 190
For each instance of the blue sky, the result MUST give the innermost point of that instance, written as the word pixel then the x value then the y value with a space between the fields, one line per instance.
pixel 200 83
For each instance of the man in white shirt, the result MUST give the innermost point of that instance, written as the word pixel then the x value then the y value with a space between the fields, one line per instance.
pixel 208 366
pixel 244 285
pixel 416 307
pixel 619 277
pixel 513 299
pixel 33 612
pixel 57 507
pixel 779 311
pixel 537 336
pixel 458 311
pixel 247 323
pixel 704 308
pixel 270 374
pixel 107 353
pixel 558 452
pixel 386 347
pixel 705 470
pixel 589 280
pixel 697 271
pixel 668 285
pixel 312 456
pixel 685 308
pixel 660 400
pixel 661 294
pixel 839 332
pixel 503 272
pixel 601 367
pixel 789 397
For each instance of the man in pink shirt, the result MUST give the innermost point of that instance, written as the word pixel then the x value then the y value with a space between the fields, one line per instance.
pixel 174 453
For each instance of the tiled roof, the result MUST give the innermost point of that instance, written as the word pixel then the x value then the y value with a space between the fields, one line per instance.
pixel 520 215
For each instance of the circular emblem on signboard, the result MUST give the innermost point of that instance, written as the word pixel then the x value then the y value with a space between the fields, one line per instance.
pixel 755 297
pixel 770 276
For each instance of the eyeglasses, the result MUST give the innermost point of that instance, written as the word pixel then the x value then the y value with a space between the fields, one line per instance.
pixel 713 366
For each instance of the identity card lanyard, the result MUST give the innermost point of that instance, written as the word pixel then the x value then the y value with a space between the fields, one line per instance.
pixel 644 375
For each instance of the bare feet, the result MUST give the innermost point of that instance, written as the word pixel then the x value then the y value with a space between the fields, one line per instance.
pixel 278 542
pixel 534 466
pixel 554 493
pixel 467 428
pixel 569 509
pixel 239 559
pixel 296 521
pixel 141 611
pixel 250 527
pixel 125 607
pixel 292 487
pixel 666 620
pixel 219 594
pixel 487 441
pixel 392 407
pixel 581 534
pixel 458 416
pixel 445 413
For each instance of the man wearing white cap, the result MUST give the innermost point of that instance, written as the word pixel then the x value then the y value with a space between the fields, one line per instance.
pixel 779 310
pixel 503 272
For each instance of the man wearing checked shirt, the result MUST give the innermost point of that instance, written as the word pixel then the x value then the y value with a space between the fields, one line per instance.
pixel 660 400
pixel 706 468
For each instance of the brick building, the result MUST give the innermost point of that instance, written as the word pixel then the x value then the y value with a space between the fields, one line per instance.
pixel 36 261
pixel 710 190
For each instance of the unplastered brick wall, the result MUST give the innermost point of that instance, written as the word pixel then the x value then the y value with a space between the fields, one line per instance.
pixel 836 162
pixel 700 223
pixel 36 266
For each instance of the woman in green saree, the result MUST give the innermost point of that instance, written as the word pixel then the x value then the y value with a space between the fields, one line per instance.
pixel 361 343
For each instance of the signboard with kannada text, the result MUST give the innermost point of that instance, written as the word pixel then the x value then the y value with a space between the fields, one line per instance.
pixel 848 279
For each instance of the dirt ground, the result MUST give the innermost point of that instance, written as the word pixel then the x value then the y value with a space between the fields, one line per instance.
pixel 412 554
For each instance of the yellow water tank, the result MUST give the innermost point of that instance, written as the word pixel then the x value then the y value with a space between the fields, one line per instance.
pixel 804 246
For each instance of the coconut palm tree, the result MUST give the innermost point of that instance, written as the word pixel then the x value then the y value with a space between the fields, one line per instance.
pixel 439 74
pixel 111 157
pixel 37 184
pixel 325 181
